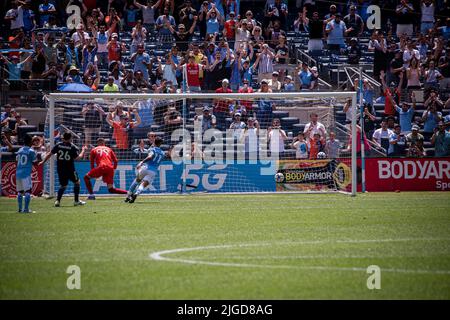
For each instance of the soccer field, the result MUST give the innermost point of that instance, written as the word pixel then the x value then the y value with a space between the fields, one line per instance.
pixel 267 246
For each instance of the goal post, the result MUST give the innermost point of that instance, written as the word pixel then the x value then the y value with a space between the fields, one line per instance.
pixel 65 112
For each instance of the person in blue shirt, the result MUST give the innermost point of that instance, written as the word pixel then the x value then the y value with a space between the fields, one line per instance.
pixel 15 66
pixel 397 143
pixel 141 61
pixel 147 170
pixel 45 11
pixel 26 156
pixel 28 16
pixel 441 141
pixel 305 77
pixel 405 115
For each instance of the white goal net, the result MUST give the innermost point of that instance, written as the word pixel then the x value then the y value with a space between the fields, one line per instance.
pixel 246 142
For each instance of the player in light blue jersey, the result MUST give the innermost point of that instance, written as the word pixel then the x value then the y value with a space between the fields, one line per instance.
pixel 25 158
pixel 147 170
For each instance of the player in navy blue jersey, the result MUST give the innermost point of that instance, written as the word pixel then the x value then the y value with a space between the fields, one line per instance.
pixel 147 170
pixel 66 154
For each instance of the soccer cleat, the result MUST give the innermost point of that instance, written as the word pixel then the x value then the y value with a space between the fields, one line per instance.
pixel 57 203
pixel 91 197
pixel 132 198
pixel 127 199
pixel 79 203
pixel 28 211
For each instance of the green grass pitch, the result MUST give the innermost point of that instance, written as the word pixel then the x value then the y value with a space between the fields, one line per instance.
pixel 267 246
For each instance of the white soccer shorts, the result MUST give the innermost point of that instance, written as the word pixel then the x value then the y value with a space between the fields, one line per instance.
pixel 146 175
pixel 23 184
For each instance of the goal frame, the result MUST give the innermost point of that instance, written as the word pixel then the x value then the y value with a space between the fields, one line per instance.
pixel 52 97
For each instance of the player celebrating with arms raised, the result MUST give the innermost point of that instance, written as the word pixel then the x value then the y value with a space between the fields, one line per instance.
pixel 66 153
pixel 147 170
pixel 106 161
pixel 25 158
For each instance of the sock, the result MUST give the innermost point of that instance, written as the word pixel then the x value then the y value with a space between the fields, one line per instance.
pixel 27 200
pixel 76 191
pixel 19 200
pixel 140 189
pixel 133 187
pixel 118 191
pixel 60 193
pixel 87 181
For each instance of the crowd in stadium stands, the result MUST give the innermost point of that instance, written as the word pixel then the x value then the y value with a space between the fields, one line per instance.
pixel 223 46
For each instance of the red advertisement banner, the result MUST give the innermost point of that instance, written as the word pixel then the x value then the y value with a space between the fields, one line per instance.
pixel 392 174
pixel 9 179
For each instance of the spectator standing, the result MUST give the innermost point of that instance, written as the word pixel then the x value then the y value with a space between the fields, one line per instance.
pixel 382 136
pixel 46 10
pixel 162 25
pixel 123 128
pixel 206 120
pixel 441 141
pixel 314 126
pixel 354 23
pixel 300 145
pixel 221 106
pixel 315 27
pixel 93 115
pixel 250 138
pixel 192 70
pixel 148 13
pixel 264 63
pixel 138 35
pixel 316 145
pixel 397 143
pixel 188 15
pixel 332 146
pixel 276 137
pixel 265 106
pixel 427 20
pixel 405 18
pixel 141 61
pixel 430 118
pixel 336 31
pixel 305 77
pixel 444 67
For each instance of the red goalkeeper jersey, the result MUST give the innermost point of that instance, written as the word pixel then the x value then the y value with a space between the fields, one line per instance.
pixel 103 157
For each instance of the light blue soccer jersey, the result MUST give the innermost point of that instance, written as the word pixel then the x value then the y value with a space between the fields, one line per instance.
pixel 157 158
pixel 25 157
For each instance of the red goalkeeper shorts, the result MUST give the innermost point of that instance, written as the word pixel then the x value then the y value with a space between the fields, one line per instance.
pixel 107 174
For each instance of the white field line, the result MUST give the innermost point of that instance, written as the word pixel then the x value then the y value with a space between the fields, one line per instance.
pixel 161 256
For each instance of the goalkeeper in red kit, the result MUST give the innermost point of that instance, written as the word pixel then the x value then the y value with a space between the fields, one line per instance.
pixel 106 162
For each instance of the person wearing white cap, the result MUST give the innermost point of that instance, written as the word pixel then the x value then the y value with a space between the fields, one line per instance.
pixel 237 125
pixel 80 36
pixel 288 85
pixel 274 83
pixel 221 106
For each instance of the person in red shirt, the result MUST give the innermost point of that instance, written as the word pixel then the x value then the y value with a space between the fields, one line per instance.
pixel 316 145
pixel 115 49
pixel 229 29
pixel 122 127
pixel 192 74
pixel 106 162
pixel 392 94
pixel 246 89
pixel 221 107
